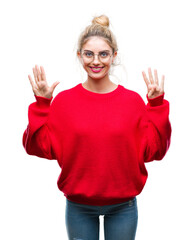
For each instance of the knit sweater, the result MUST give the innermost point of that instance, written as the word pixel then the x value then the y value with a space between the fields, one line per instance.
pixel 101 141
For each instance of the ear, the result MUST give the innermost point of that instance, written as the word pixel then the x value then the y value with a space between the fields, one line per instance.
pixel 79 56
pixel 114 56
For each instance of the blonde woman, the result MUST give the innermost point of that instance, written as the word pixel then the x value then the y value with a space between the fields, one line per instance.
pixel 101 135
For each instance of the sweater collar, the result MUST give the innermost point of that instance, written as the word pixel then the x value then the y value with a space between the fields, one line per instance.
pixel 99 95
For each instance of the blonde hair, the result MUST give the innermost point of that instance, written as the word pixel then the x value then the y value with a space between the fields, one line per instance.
pixel 99 27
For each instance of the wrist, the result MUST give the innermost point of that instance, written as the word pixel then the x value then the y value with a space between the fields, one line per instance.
pixel 43 101
pixel 157 101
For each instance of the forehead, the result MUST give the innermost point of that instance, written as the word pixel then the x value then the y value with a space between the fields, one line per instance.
pixel 96 44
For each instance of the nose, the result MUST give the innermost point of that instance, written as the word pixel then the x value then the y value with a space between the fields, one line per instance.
pixel 96 59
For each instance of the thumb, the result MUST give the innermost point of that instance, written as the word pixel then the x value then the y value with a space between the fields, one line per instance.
pixel 54 86
pixel 150 93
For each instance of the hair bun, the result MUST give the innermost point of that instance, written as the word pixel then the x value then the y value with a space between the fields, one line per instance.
pixel 101 20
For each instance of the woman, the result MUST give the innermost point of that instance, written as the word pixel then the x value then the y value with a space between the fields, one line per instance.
pixel 101 134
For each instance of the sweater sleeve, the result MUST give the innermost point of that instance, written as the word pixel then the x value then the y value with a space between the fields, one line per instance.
pixel 36 139
pixel 157 134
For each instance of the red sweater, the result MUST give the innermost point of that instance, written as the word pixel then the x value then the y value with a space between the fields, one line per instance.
pixel 100 140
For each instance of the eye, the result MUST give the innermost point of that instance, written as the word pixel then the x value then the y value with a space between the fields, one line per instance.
pixel 88 54
pixel 104 54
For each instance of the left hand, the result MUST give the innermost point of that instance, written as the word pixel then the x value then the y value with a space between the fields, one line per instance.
pixel 154 89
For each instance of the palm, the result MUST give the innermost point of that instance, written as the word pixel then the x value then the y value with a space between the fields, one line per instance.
pixel 154 89
pixel 40 87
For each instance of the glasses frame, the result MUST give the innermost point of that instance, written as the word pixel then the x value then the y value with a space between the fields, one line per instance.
pixel 93 57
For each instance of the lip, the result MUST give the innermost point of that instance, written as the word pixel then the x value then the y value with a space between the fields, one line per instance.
pixel 96 69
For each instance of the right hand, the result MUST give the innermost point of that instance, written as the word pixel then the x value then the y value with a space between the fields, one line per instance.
pixel 40 86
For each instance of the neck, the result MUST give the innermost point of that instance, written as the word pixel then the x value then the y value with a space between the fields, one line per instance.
pixel 102 85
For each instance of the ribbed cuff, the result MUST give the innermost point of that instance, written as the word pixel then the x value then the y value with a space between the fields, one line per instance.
pixel 157 101
pixel 42 101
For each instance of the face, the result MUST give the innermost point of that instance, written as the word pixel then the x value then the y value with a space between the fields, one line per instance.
pixel 96 68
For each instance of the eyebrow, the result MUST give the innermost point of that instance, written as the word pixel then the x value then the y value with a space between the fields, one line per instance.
pixel 99 51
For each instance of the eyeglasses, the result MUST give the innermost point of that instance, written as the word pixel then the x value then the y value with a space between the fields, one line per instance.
pixel 103 56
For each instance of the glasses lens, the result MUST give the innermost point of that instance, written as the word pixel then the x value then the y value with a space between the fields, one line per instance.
pixel 88 56
pixel 103 56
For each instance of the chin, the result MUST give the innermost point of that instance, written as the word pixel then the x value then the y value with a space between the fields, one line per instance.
pixel 95 76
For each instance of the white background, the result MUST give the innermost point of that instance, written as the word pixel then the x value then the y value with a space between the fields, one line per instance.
pixel 156 34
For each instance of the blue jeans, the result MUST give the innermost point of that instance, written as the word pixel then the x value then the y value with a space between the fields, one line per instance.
pixel 120 221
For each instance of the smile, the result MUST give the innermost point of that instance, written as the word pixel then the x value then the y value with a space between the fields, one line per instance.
pixel 96 69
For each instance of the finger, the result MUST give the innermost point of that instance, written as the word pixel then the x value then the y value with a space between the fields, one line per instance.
pixel 32 83
pixel 162 83
pixel 35 75
pixel 156 77
pixel 38 73
pixel 43 75
pixel 54 86
pixel 145 78
pixel 150 76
